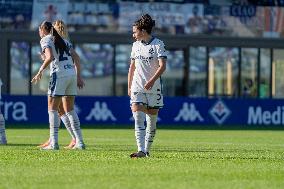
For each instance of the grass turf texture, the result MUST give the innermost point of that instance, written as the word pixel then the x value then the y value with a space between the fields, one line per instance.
pixel 179 159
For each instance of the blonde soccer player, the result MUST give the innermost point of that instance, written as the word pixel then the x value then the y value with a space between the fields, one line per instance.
pixel 63 82
pixel 61 28
pixel 148 62
pixel 3 139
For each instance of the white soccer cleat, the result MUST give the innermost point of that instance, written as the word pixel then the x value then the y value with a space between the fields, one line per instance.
pixel 51 147
pixel 79 146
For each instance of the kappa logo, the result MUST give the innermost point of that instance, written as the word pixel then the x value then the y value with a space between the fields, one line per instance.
pixel 188 112
pixel 100 112
pixel 220 112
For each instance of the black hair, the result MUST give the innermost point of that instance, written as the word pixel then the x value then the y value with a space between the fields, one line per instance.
pixel 145 22
pixel 59 43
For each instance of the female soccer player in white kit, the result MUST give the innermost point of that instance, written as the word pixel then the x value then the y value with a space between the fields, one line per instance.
pixel 61 29
pixel 3 139
pixel 63 82
pixel 148 62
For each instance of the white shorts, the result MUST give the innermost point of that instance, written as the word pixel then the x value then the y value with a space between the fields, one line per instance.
pixel 63 86
pixel 150 100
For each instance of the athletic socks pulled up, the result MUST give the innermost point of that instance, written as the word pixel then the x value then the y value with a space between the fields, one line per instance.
pixel 151 131
pixel 67 124
pixel 3 139
pixel 140 130
pixel 54 122
pixel 75 125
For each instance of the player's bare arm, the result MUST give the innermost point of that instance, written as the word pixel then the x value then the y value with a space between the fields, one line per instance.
pixel 76 59
pixel 130 75
pixel 48 59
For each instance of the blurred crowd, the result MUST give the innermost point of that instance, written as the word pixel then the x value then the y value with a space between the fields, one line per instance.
pixel 244 18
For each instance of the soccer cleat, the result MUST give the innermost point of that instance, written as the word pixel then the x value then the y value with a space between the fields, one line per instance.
pixel 51 147
pixel 71 145
pixel 44 144
pixel 79 146
pixel 147 154
pixel 139 154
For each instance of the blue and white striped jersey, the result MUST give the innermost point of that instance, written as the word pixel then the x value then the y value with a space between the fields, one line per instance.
pixel 146 57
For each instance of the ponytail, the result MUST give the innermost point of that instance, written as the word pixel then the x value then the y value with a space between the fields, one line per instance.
pixel 59 43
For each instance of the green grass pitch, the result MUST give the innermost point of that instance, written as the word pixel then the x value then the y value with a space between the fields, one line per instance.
pixel 179 159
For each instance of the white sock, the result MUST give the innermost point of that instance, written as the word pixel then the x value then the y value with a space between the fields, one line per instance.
pixel 54 126
pixel 67 124
pixel 75 125
pixel 3 139
pixel 150 131
pixel 139 119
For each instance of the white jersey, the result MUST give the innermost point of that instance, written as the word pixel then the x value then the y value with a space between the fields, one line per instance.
pixel 146 57
pixel 62 65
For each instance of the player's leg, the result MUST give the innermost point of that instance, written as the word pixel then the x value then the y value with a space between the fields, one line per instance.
pixel 138 112
pixel 155 102
pixel 53 103
pixel 151 119
pixel 64 118
pixel 55 89
pixel 68 105
pixel 3 139
pixel 46 143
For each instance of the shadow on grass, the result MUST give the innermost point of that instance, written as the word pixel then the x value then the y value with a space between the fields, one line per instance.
pixel 20 144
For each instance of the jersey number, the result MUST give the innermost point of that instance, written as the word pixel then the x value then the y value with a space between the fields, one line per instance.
pixel 62 57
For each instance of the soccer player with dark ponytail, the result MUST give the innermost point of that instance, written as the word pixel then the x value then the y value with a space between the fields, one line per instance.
pixel 62 30
pixel 63 83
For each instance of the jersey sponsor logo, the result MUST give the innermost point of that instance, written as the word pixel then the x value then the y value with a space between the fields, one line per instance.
pixel 68 66
pixel 141 57
pixel 188 112
pixel 219 112
pixel 100 112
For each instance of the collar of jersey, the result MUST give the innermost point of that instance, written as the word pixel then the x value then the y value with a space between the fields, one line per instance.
pixel 45 37
pixel 144 43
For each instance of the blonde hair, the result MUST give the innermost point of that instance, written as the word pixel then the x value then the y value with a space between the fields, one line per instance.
pixel 61 28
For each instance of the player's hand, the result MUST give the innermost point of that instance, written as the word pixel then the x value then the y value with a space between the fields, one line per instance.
pixel 149 85
pixel 37 77
pixel 80 83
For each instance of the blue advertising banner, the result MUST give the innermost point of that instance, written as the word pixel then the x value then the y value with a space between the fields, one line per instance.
pixel 177 111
